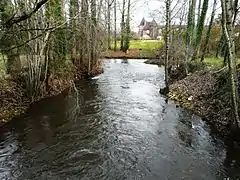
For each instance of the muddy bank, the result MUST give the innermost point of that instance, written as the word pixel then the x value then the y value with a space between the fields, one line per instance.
pixel 154 62
pixel 207 94
pixel 15 101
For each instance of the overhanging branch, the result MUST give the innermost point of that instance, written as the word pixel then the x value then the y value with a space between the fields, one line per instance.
pixel 25 15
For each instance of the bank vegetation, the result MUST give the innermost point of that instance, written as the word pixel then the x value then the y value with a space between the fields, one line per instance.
pixel 45 45
pixel 201 59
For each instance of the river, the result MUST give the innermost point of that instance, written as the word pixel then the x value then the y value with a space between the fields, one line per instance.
pixel 116 126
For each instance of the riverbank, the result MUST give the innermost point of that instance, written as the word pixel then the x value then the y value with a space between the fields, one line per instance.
pixel 16 95
pixel 121 129
pixel 15 100
pixel 130 54
pixel 207 93
pixel 154 61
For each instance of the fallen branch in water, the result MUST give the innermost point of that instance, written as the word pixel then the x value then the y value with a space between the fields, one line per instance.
pixel 220 70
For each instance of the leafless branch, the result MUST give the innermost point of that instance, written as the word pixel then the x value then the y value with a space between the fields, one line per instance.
pixel 25 15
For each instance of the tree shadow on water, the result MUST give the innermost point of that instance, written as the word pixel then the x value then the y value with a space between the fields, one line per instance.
pixel 125 61
pixel 232 160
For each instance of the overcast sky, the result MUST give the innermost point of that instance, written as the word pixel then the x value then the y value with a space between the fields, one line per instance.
pixel 144 8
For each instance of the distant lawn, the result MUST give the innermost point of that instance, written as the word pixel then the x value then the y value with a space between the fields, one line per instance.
pixel 142 44
pixel 148 47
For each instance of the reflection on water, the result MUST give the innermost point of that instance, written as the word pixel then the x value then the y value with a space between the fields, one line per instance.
pixel 116 126
pixel 125 61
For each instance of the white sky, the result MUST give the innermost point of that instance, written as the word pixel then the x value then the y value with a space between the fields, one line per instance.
pixel 144 8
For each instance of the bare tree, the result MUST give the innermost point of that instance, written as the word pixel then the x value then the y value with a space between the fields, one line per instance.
pixel 40 33
pixel 228 28
pixel 208 36
pixel 167 43
pixel 109 23
pixel 199 30
pixel 123 25
pixel 115 25
pixel 191 22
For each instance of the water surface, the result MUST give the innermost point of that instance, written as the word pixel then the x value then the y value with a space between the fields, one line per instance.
pixel 116 126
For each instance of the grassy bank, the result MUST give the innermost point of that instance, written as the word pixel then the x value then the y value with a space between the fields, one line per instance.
pixel 137 49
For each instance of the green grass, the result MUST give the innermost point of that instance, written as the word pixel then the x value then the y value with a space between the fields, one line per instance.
pixel 148 47
pixel 146 44
pixel 215 62
pixel 2 65
pixel 142 44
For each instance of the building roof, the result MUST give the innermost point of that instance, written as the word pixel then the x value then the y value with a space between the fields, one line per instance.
pixel 148 24
pixel 142 22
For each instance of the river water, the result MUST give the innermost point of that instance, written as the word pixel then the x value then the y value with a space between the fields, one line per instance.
pixel 117 126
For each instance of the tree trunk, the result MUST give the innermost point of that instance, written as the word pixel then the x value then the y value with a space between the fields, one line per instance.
pixel 190 31
pixel 109 23
pixel 127 29
pixel 99 10
pixel 220 44
pixel 115 25
pixel 84 63
pixel 123 26
pixel 199 9
pixel 199 30
pixel 228 28
pixel 208 36
pixel 8 39
pixel 191 22
pixel 236 11
pixel 167 38
pixel 55 15
pixel 74 9
pixel 93 31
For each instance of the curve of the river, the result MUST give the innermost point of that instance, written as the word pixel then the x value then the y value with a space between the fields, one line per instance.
pixel 116 127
